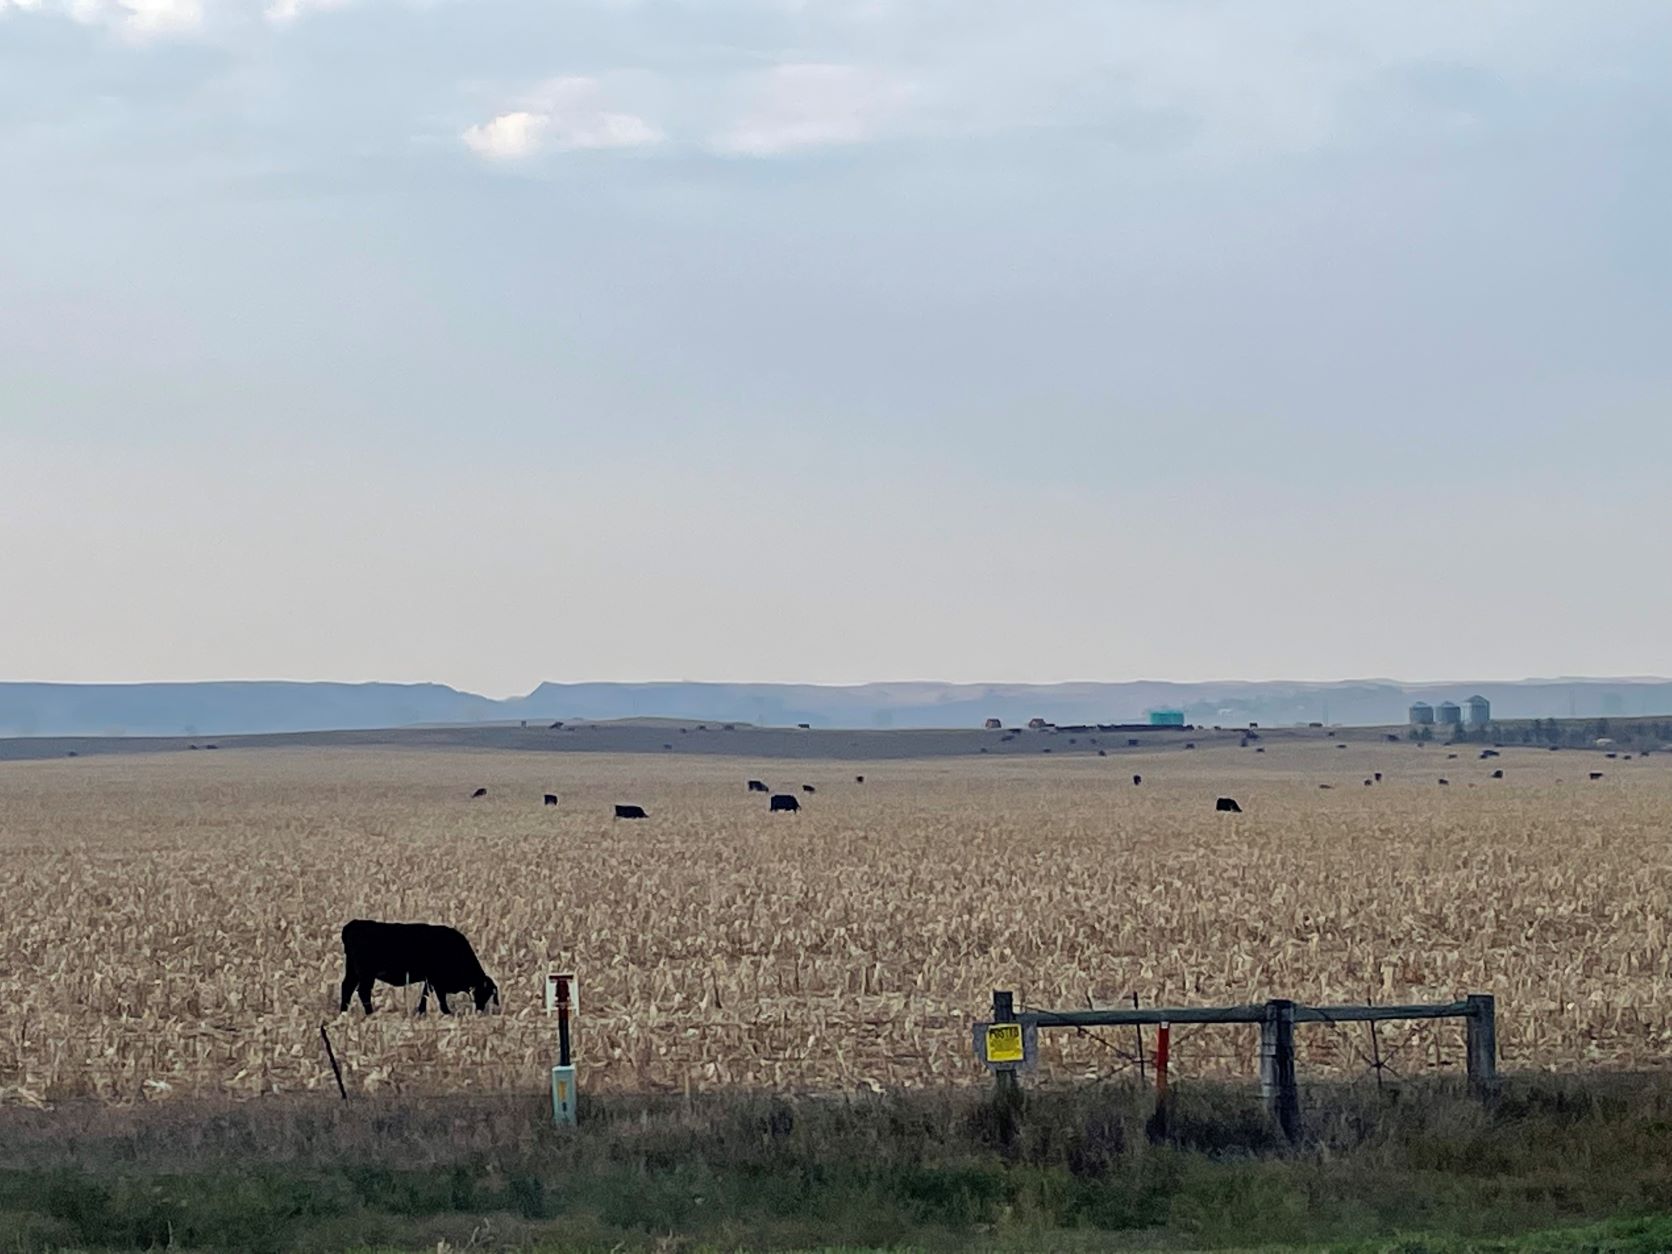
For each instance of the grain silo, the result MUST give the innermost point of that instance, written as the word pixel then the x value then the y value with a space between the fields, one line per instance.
pixel 1450 714
pixel 1479 711
pixel 1422 714
pixel 1166 718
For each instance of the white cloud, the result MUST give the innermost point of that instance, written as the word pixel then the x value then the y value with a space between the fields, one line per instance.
pixel 812 105
pixel 566 114
pixel 283 12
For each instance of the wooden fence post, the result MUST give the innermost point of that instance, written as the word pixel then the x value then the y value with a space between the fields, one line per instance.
pixel 1481 1041
pixel 1277 1067
pixel 1004 1011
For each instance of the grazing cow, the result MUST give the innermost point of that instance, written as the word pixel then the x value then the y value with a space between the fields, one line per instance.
pixel 630 812
pixel 756 785
pixel 439 958
pixel 1326 787
pixel 1609 756
pixel 1227 805
pixel 1136 780
pixel 808 788
pixel 1102 753
pixel 1488 753
pixel 1378 777
pixel 1261 749
pixel 551 798
pixel 859 779
pixel 1596 774
pixel 480 792
pixel 1340 746
pixel 1498 774
pixel 1369 783
pixel 783 801
pixel 1445 781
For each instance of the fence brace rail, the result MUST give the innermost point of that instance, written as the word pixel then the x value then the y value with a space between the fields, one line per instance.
pixel 1277 1019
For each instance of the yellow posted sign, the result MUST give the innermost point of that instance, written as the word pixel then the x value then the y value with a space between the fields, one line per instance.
pixel 1004 1042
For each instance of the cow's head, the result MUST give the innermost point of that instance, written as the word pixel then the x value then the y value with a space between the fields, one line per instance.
pixel 485 992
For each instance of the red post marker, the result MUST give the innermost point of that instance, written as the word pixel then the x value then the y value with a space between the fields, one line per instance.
pixel 1163 1042
pixel 562 983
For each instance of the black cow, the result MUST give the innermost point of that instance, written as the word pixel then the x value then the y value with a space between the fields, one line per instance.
pixel 439 958
pixel 630 812
pixel 480 792
pixel 1445 781
pixel 1136 780
pixel 1378 777
pixel 1102 753
pixel 1497 774
pixel 1227 805
pixel 755 785
pixel 808 788
pixel 859 779
pixel 1369 783
pixel 551 798
pixel 1596 774
pixel 785 802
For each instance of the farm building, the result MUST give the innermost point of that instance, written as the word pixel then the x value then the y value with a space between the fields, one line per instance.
pixel 1479 711
pixel 1166 718
pixel 1450 714
pixel 1422 714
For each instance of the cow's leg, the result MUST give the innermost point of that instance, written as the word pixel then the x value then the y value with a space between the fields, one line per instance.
pixel 441 1000
pixel 348 991
pixel 424 999
pixel 365 991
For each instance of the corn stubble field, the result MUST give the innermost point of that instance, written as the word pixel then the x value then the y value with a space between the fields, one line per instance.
pixel 169 922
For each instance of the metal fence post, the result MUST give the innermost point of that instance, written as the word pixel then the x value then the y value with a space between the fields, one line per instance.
pixel 1481 1043
pixel 1277 1067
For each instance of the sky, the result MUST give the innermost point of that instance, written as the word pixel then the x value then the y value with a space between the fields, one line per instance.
pixel 498 341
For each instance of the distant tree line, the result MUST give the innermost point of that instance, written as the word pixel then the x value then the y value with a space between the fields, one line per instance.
pixel 1565 732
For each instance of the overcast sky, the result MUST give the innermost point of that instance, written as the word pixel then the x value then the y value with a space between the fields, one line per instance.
pixel 493 341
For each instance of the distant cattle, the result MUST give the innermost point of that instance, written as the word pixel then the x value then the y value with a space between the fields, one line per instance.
pixel 1190 744
pixel 859 779
pixel 1445 781
pixel 1596 774
pixel 439 958
pixel 805 726
pixel 211 746
pixel 557 726
pixel 1227 805
pixel 1340 746
pixel 1449 756
pixel 1102 753
pixel 1136 780
pixel 756 785
pixel 1392 739
pixel 1488 753
pixel 784 801
pixel 480 792
pixel 1498 774
pixel 667 746
pixel 630 812
pixel 1369 782
pixel 1326 787
pixel 1261 749
pixel 808 788
pixel 1609 756
pixel 1377 777
pixel 551 798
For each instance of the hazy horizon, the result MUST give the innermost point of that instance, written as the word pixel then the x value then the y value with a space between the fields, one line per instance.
pixel 810 342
